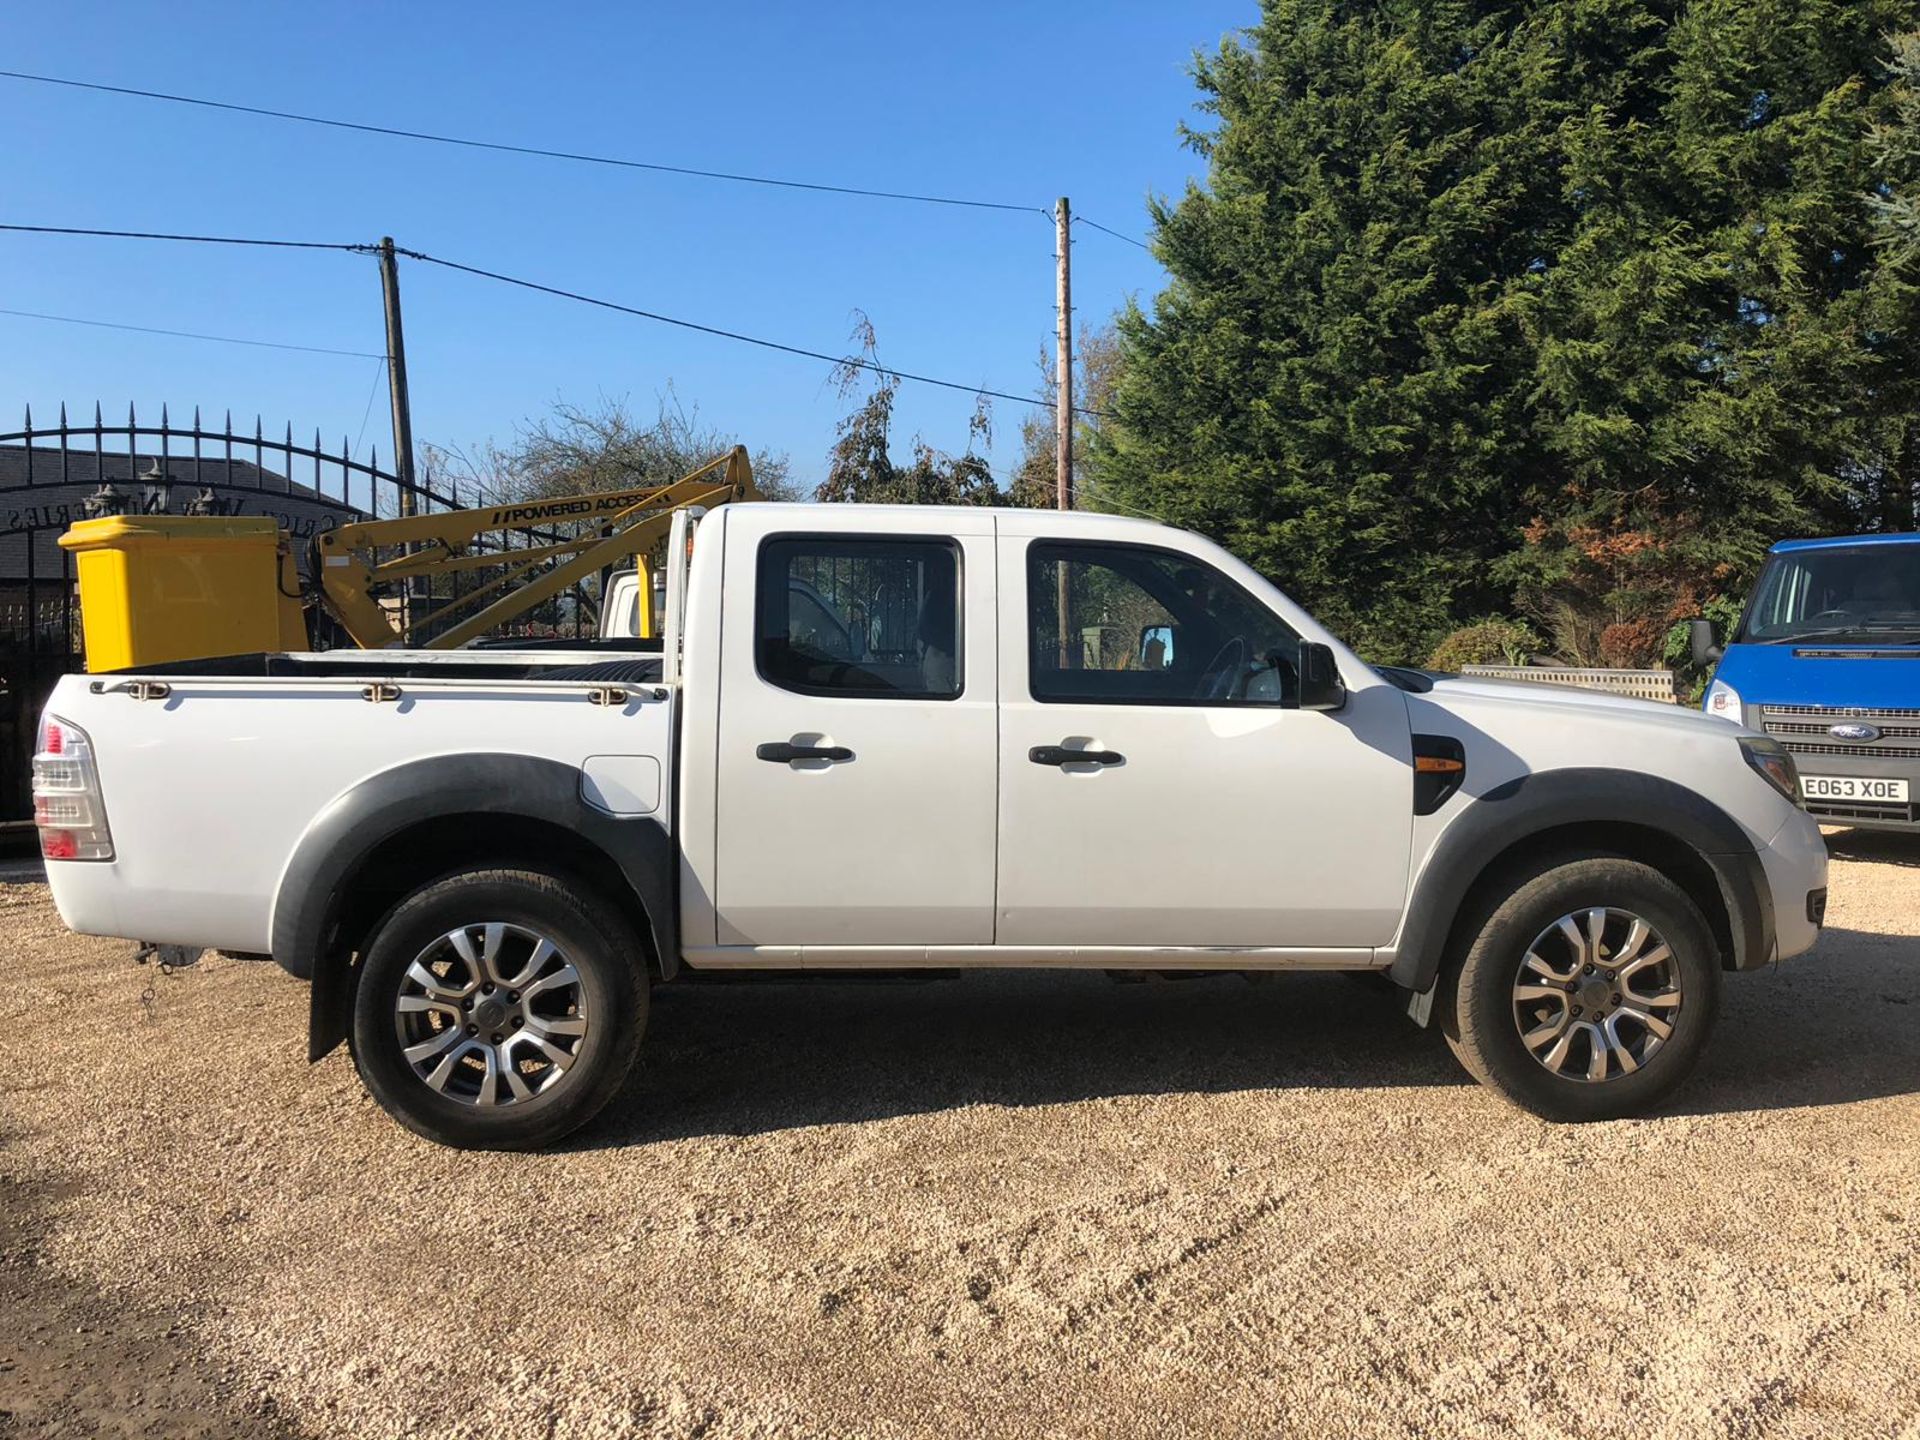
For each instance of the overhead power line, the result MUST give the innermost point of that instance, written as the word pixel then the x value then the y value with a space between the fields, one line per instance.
pixel 194 239
pixel 542 152
pixel 1082 220
pixel 192 335
pixel 831 359
pixel 1107 497
pixel 372 390
pixel 560 293
pixel 503 147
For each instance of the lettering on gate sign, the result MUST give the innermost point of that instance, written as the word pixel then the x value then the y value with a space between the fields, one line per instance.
pixel 301 524
pixel 38 517
pixel 55 507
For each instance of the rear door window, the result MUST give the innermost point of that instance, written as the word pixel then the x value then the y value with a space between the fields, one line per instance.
pixel 875 618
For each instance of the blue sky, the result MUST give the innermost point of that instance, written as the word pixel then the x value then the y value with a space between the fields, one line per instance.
pixel 1002 101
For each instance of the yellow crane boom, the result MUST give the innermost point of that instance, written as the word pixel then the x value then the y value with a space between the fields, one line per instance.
pixel 160 588
pixel 623 524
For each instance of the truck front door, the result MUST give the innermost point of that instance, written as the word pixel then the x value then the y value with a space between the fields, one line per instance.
pixel 857 724
pixel 1208 812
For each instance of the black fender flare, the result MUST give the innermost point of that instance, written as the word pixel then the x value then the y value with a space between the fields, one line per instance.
pixel 319 877
pixel 1552 799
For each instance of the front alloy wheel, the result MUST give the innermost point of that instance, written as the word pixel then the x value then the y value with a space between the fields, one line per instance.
pixel 1597 994
pixel 1587 993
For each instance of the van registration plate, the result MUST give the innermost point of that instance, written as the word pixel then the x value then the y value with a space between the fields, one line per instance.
pixel 1870 789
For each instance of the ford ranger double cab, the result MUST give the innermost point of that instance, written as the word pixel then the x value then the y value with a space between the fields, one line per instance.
pixel 877 738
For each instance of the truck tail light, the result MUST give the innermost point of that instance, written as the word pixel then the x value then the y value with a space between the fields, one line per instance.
pixel 67 806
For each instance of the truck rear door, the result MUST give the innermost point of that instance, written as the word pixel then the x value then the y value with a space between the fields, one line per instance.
pixel 857 732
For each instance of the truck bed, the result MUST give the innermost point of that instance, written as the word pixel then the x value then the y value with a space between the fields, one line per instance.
pixel 213 775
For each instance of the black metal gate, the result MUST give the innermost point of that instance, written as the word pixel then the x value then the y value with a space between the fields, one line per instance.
pixel 47 476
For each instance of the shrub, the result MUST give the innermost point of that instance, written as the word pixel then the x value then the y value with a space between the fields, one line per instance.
pixel 1493 641
pixel 1632 644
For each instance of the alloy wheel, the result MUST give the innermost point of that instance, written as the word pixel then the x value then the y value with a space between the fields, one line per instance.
pixel 1596 995
pixel 491 1014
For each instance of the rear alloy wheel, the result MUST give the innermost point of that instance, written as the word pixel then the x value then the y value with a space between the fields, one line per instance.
pixel 498 1009
pixel 1588 993
pixel 491 1014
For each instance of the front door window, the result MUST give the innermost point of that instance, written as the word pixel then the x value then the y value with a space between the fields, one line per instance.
pixel 1131 625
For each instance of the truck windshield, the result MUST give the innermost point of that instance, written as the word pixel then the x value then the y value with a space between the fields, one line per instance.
pixel 1868 593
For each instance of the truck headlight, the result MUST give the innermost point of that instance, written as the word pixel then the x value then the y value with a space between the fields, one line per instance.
pixel 1723 700
pixel 1770 760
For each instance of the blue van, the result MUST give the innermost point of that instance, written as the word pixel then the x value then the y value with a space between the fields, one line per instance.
pixel 1827 660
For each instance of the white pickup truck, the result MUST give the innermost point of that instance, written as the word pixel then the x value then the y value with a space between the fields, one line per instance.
pixel 898 738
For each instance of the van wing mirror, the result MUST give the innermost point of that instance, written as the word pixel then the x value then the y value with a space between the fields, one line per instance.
pixel 1704 649
pixel 1320 687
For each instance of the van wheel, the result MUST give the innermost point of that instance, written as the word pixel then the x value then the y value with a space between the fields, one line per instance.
pixel 1588 994
pixel 498 1009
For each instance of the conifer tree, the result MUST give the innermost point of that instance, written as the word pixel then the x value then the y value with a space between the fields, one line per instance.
pixel 1582 303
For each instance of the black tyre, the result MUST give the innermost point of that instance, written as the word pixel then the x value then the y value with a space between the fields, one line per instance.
pixel 499 1009
pixel 1587 994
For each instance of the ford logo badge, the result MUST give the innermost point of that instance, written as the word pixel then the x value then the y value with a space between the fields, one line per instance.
pixel 1854 732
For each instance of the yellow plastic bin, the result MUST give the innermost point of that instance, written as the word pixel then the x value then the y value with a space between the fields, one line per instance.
pixel 183 587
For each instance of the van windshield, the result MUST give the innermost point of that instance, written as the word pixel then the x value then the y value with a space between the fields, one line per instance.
pixel 1863 593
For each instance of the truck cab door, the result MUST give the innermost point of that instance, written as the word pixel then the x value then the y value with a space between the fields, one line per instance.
pixel 856 734
pixel 1210 811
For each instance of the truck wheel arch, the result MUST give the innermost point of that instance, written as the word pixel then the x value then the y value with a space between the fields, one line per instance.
pixel 1587 810
pixel 407 826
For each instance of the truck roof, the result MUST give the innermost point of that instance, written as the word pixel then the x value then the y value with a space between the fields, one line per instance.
pixel 923 512
pixel 1831 542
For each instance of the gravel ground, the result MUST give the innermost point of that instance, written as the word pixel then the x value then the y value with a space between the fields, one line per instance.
pixel 1005 1206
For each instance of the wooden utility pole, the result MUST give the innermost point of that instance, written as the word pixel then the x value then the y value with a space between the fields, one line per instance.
pixel 402 405
pixel 1063 407
pixel 1063 399
pixel 397 376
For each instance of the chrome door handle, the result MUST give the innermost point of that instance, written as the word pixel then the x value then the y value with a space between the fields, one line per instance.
pixel 1060 755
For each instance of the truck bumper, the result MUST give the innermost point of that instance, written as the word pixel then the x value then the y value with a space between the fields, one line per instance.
pixel 126 897
pixel 1795 862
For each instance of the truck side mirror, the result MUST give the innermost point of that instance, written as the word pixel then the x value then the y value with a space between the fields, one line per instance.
pixel 1320 687
pixel 1700 642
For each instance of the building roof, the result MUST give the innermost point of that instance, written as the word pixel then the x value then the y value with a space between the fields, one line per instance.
pixel 41 465
pixel 40 497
